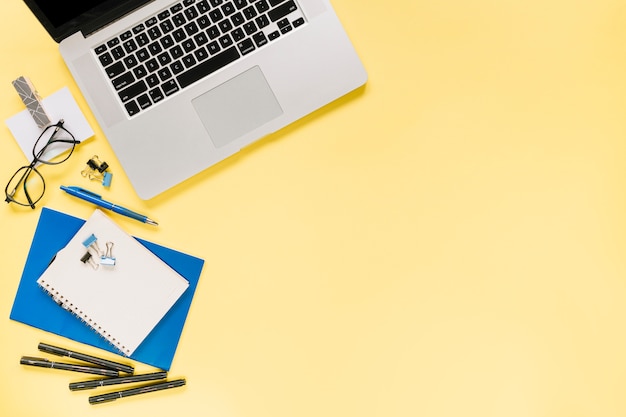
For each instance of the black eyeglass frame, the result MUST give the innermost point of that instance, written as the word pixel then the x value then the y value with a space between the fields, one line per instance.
pixel 29 169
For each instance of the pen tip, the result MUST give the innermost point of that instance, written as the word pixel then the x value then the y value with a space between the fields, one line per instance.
pixel 152 222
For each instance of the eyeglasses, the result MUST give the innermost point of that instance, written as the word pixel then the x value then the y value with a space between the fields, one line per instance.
pixel 54 146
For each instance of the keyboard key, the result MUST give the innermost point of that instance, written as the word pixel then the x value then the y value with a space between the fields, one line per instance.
pixel 164 58
pixel 152 65
pixel 132 108
pixel 250 12
pixel 170 87
pixel 144 101
pixel 155 48
pixel 191 28
pixel 142 39
pixel 177 52
pixel 123 81
pixel 237 19
pixel 250 28
pixel 191 13
pixel 156 95
pixel 133 91
pixel 262 6
pixel 228 9
pixel 105 59
pixel 164 74
pixel 201 54
pixel 154 33
pixel 177 67
pixel 226 41
pixel 204 22
pixel 246 46
pixel 166 26
pixel 213 32
pixel 262 21
pixel 203 6
pixel 260 39
pixel 142 54
pixel 152 80
pixel 179 35
pixel 115 70
pixel 130 46
pixel 167 42
pixel 207 67
pixel 188 45
pixel 179 19
pixel 140 71
pixel 238 34
pixel 213 47
pixel 282 10
pixel 274 35
pixel 130 61
pixel 201 38
pixel 225 26
pixel 216 15
pixel 118 52
pixel 189 61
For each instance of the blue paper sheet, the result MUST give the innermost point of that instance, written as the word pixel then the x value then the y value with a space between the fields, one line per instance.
pixel 34 307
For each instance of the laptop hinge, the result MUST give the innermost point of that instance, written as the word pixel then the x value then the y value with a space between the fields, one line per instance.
pixel 100 19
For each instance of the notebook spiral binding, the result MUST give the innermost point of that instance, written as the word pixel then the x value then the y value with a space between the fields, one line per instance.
pixel 67 305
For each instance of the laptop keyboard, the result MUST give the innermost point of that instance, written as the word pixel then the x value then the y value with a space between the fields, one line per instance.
pixel 192 39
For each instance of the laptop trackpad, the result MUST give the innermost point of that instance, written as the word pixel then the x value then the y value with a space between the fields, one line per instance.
pixel 237 107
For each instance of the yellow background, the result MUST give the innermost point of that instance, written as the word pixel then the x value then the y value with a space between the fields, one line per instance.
pixel 447 241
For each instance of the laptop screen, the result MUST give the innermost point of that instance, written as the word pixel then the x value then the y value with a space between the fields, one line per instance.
pixel 63 20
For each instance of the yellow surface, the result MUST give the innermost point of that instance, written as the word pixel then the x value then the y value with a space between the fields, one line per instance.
pixel 447 241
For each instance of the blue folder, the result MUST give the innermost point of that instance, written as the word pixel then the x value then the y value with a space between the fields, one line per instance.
pixel 34 307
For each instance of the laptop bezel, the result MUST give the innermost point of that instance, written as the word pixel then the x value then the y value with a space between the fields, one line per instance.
pixel 89 21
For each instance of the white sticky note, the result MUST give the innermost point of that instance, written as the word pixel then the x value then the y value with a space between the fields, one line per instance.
pixel 59 105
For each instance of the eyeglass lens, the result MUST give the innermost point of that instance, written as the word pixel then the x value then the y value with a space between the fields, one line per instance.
pixel 54 146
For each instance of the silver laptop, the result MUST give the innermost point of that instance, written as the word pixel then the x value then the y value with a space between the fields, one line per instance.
pixel 178 86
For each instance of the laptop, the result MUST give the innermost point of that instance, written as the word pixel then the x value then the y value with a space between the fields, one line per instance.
pixel 179 85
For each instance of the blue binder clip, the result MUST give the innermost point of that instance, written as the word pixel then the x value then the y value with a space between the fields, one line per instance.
pixel 93 250
pixel 92 242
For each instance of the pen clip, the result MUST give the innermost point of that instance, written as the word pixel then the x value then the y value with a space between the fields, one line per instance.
pixel 33 360
pixel 90 193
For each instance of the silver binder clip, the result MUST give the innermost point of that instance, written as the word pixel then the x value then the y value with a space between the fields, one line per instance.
pixel 107 259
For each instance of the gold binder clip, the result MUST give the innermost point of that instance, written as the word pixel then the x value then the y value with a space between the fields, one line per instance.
pixel 96 170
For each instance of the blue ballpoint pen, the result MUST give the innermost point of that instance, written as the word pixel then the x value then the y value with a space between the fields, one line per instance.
pixel 98 201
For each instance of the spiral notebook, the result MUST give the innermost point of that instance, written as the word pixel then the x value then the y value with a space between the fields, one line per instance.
pixel 122 299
